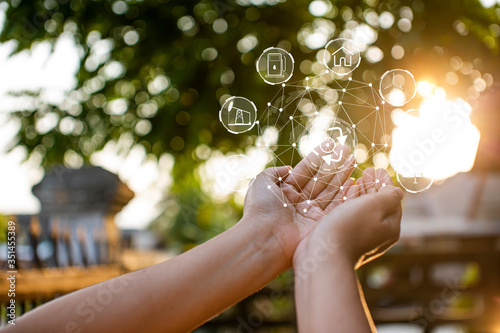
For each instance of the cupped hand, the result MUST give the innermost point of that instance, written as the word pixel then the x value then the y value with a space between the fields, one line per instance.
pixel 290 202
pixel 362 228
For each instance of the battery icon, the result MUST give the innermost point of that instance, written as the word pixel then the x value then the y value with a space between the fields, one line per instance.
pixel 276 65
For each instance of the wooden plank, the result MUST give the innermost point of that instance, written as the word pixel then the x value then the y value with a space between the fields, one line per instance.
pixel 52 281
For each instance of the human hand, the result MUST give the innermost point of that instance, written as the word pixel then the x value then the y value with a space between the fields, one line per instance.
pixel 289 203
pixel 362 228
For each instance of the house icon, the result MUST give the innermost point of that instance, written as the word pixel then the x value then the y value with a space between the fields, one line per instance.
pixel 346 57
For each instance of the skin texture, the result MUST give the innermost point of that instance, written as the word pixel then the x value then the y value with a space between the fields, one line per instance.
pixel 305 187
pixel 283 210
pixel 327 292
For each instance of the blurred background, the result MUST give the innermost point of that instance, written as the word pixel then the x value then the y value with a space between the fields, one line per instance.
pixel 110 143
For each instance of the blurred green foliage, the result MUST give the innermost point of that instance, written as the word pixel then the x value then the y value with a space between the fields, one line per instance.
pixel 4 223
pixel 147 39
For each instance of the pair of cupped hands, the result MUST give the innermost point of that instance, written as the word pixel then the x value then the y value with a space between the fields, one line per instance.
pixel 318 205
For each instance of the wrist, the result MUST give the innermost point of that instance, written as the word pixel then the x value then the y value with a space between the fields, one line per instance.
pixel 323 251
pixel 265 243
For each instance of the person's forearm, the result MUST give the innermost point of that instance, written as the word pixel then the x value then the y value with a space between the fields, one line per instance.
pixel 175 296
pixel 327 295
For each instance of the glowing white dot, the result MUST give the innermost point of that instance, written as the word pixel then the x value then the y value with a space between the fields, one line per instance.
pixel 316 112
pixel 377 108
pixel 308 201
pixel 257 122
pixel 353 125
pixel 345 198
pixel 289 171
pixel 350 79
pixel 268 103
pixel 281 109
pixel 355 165
pixel 307 78
pixel 369 84
pixel 383 184
pixel 283 85
pixel 373 144
pixel 307 88
pixel 269 186
pixel 327 71
pixel 315 178
pixel 340 102
pixel 291 117
pixel 280 179
pixel 341 187
pixel 385 144
pixel 284 205
pixel 304 210
pixel 377 181
pixel 383 102
pixel 294 144
pixel 343 90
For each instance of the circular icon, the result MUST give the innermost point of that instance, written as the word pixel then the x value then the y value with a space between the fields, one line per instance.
pixel 414 184
pixel 342 56
pixel 397 87
pixel 328 146
pixel 412 152
pixel 337 133
pixel 238 114
pixel 275 65
pixel 237 174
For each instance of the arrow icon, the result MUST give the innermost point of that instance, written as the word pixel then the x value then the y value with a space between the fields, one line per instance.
pixel 328 158
pixel 341 137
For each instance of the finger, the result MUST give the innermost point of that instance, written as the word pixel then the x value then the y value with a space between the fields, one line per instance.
pixel 382 179
pixel 307 168
pixel 389 198
pixel 340 196
pixel 352 192
pixel 329 181
pixel 369 180
pixel 276 174
pixel 290 192
pixel 362 189
pixel 394 222
pixel 270 177
pixel 337 181
pixel 339 155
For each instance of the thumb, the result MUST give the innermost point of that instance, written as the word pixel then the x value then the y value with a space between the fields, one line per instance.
pixel 390 197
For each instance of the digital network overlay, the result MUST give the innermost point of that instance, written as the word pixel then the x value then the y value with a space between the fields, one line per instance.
pixel 293 126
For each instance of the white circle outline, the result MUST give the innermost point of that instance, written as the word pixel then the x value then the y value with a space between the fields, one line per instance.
pixel 287 53
pixel 382 79
pixel 354 143
pixel 357 49
pixel 328 151
pixel 407 190
pixel 397 172
pixel 222 108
